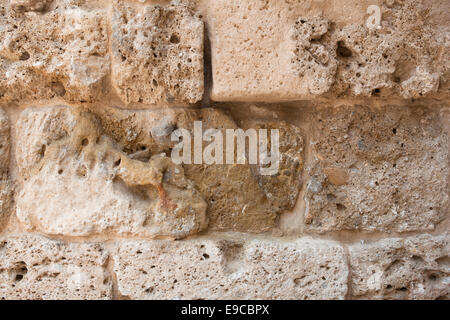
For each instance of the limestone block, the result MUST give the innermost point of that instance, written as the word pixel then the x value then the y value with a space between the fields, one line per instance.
pixel 231 269
pixel 33 267
pixel 52 49
pixel 77 181
pixel 238 197
pixel 378 170
pixel 290 50
pixel 412 268
pixel 6 188
pixel 157 53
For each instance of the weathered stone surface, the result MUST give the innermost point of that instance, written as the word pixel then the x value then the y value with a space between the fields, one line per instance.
pixel 238 197
pixel 290 50
pixel 6 188
pixel 77 181
pixel 411 268
pixel 378 169
pixel 34 267
pixel 231 269
pixel 52 49
pixel 282 188
pixel 125 182
pixel 157 53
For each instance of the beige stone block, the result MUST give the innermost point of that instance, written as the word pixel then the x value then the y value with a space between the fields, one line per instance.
pixel 411 268
pixel 290 50
pixel 78 181
pixel 157 53
pixel 34 267
pixel 395 161
pixel 231 269
pixel 52 49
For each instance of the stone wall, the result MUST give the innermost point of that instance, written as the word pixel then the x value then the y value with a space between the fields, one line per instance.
pixel 92 205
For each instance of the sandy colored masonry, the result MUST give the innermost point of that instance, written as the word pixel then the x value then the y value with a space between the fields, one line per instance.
pixel 93 207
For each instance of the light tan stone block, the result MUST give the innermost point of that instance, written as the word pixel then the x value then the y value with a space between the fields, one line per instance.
pixel 412 268
pixel 52 49
pixel 77 181
pixel 225 269
pixel 157 53
pixel 395 164
pixel 34 267
pixel 290 50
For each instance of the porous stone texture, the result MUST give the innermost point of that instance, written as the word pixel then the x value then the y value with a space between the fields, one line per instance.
pixel 34 267
pixel 411 268
pixel 126 183
pixel 6 188
pixel 290 50
pixel 52 49
pixel 157 53
pixel 383 169
pixel 239 197
pixel 225 269
pixel 78 182
pixel 338 130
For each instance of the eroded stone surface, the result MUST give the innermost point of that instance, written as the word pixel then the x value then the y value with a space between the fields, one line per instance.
pixel 290 50
pixel 378 169
pixel 157 53
pixel 119 164
pixel 6 188
pixel 34 267
pixel 52 49
pixel 282 188
pixel 78 181
pixel 226 269
pixel 238 197
pixel 411 268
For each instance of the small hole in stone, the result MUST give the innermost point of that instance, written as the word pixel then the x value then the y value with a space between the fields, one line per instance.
pixel 25 56
pixel 394 131
pixel 376 92
pixel 60 171
pixel 19 277
pixel 340 207
pixel 84 142
pixel 174 39
pixel 432 277
pixel 342 50
pixel 149 290
pixel 42 150
pixel 206 256
pixel 58 88
pixel 117 163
